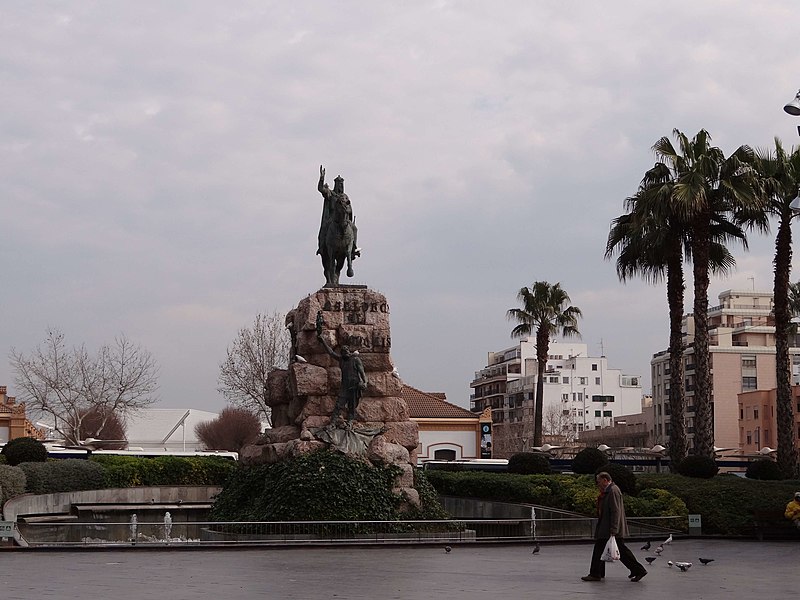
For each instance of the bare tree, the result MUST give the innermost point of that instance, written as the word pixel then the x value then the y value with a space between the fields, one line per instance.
pixel 234 428
pixel 71 385
pixel 555 423
pixel 255 352
pixel 100 424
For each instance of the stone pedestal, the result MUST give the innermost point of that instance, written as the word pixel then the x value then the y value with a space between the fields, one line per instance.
pixel 303 396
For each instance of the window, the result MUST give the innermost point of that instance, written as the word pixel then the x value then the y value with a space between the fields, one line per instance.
pixel 597 413
pixel 583 380
pixel 564 397
pixel 607 413
pixel 444 454
pixel 741 414
pixel 565 380
pixel 755 413
pixel 552 379
pixel 749 437
pixel 597 381
pixel 748 361
pixel 594 366
pixel 749 383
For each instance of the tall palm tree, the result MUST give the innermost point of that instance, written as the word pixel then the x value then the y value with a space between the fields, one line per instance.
pixel 651 241
pixel 708 189
pixel 545 311
pixel 779 177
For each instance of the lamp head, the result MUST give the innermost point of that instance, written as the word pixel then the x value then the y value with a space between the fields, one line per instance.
pixel 793 108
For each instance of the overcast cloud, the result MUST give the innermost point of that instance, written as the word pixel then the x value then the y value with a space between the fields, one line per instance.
pixel 159 162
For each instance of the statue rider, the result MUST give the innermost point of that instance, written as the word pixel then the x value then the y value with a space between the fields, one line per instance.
pixel 327 210
pixel 354 379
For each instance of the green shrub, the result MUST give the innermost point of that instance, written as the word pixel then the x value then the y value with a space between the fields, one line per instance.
pixel 529 463
pixel 588 460
pixel 622 476
pixel 131 471
pixel 695 465
pixel 12 483
pixel 725 502
pixel 3 460
pixel 764 469
pixel 319 486
pixel 25 449
pixel 68 475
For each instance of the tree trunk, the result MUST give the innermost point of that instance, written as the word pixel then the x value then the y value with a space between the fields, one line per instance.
pixel 704 409
pixel 678 444
pixel 542 350
pixel 787 453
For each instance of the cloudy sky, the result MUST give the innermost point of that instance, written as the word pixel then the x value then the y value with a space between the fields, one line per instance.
pixel 159 163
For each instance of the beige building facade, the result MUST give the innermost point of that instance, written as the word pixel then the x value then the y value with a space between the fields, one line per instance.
pixel 742 359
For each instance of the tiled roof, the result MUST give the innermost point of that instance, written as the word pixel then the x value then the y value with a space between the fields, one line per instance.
pixel 433 405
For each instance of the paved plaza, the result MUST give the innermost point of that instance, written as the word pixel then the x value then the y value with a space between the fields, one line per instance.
pixel 745 570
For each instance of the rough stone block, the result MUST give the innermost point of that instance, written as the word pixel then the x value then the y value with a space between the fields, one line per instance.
pixel 298 447
pixel 376 362
pixel 365 338
pixel 406 478
pixel 278 435
pixel 383 384
pixel 262 454
pixel 280 415
pixel 315 422
pixel 306 379
pixel 294 408
pixel 405 433
pixel 382 451
pixel 410 495
pixel 278 387
pixel 386 410
pixel 316 406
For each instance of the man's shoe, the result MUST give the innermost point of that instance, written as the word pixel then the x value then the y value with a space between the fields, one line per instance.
pixel 639 576
pixel 632 575
pixel 591 578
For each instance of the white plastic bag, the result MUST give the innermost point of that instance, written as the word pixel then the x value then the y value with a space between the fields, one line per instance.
pixel 611 551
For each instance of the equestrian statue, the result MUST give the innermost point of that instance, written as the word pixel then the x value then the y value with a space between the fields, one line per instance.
pixel 338 233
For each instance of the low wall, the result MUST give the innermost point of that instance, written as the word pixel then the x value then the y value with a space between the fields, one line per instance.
pixel 156 498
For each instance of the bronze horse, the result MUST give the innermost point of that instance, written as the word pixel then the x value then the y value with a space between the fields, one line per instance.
pixel 339 242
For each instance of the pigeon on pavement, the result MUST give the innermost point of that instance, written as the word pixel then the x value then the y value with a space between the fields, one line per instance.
pixel 659 549
pixel 646 546
pixel 536 548
pixel 650 559
pixel 668 540
pixel 447 549
pixel 705 561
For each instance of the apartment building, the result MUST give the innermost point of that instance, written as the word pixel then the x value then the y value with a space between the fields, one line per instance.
pixel 13 419
pixel 581 393
pixel 742 359
pixel 758 425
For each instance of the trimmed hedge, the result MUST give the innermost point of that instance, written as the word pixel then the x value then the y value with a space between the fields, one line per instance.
pixel 130 471
pixel 24 449
pixel 69 475
pixel 529 463
pixel 12 483
pixel 725 502
pixel 622 476
pixel 588 460
pixel 765 469
pixel 695 465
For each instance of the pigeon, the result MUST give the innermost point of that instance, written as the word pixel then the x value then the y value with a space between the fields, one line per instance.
pixel 705 561
pixel 395 373
pixel 670 563
pixel 667 541
pixel 300 359
pixel 659 549
pixel 179 502
pixel 536 548
pixel 152 500
pixel 683 566
pixel 646 546
pixel 650 559
pixel 447 549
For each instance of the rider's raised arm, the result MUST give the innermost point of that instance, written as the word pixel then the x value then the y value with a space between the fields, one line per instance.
pixel 328 349
pixel 322 186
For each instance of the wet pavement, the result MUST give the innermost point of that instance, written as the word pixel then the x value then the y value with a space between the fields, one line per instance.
pixel 741 569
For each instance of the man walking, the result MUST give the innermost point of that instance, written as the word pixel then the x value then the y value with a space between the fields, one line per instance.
pixel 611 521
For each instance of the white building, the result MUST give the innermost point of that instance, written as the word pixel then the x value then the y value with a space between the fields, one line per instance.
pixel 581 392
pixel 166 428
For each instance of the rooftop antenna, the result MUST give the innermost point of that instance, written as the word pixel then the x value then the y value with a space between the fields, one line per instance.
pixel 602 349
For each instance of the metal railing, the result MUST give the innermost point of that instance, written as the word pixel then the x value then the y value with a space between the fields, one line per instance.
pixel 209 533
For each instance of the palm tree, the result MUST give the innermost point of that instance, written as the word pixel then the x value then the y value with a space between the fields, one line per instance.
pixel 545 311
pixel 779 176
pixel 651 242
pixel 707 190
